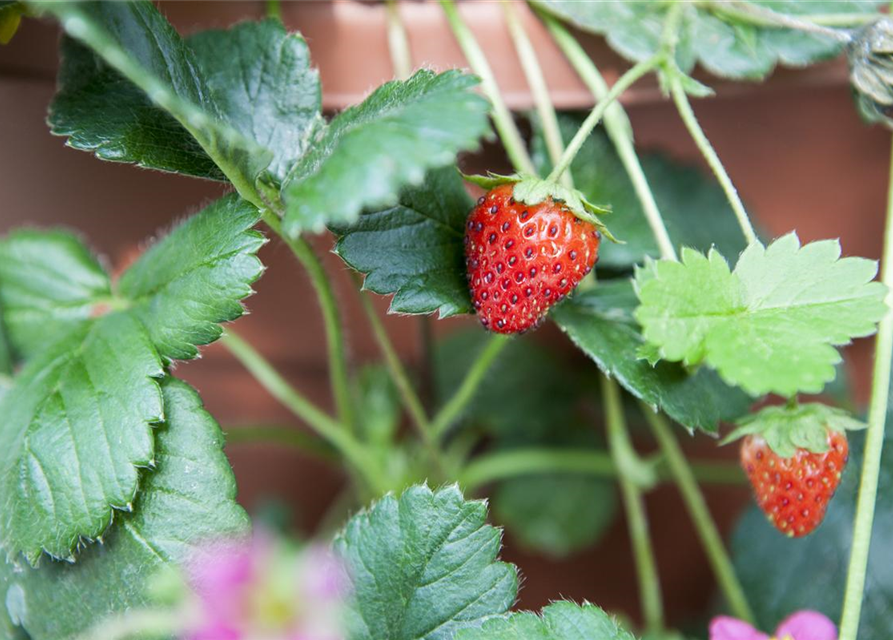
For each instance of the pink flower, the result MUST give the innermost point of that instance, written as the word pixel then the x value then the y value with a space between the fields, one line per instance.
pixel 264 589
pixel 803 625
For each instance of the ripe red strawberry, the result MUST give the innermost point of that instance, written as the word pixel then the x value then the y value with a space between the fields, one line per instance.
pixel 522 259
pixel 794 492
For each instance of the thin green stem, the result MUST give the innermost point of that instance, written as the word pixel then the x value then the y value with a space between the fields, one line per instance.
pixel 874 443
pixel 273 434
pixel 634 505
pixel 700 515
pixel 469 386
pixel 274 10
pixel 303 408
pixel 398 42
pixel 623 83
pixel 765 17
pixel 503 465
pixel 618 128
pixel 700 139
pixel 502 117
pixel 538 88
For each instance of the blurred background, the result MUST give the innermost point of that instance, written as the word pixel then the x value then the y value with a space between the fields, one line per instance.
pixel 794 146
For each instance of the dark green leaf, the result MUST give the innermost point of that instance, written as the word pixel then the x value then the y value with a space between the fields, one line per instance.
pixel 371 151
pixel 264 86
pixel 414 250
pixel 559 621
pixel 693 206
pixel 725 45
pixel 134 40
pixel 600 322
pixel 187 501
pixel 195 278
pixel 424 566
pixel 50 283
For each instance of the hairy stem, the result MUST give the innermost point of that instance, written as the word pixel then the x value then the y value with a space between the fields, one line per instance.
pixel 634 505
pixel 623 83
pixel 502 117
pixel 874 443
pixel 703 144
pixel 463 395
pixel 292 399
pixel 619 131
pixel 700 515
pixel 398 42
pixel 765 17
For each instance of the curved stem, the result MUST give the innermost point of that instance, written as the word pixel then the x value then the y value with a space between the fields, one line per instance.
pixel 293 400
pixel 700 515
pixel 271 434
pixel 765 17
pixel 618 128
pixel 398 42
pixel 521 462
pixel 700 139
pixel 463 395
pixel 502 117
pixel 623 83
pixel 634 505
pixel 874 443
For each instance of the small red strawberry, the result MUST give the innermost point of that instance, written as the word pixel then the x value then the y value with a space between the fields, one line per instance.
pixel 794 492
pixel 521 259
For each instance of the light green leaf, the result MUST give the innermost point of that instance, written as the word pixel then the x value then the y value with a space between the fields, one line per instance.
pixel 187 501
pixel 369 152
pixel 600 322
pixel 134 40
pixel 787 429
pixel 559 621
pixel 414 249
pixel 773 324
pixel 264 86
pixel 184 286
pixel 49 284
pixel 424 566
pixel 723 43
pixel 694 208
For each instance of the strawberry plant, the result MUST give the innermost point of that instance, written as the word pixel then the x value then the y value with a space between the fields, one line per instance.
pixel 118 510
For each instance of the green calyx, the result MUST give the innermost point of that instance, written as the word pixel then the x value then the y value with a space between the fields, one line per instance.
pixel 789 428
pixel 532 190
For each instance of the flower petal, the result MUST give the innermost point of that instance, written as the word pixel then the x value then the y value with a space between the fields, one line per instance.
pixel 725 628
pixel 807 625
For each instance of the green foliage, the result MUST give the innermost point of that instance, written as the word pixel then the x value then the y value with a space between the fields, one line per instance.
pixel 378 401
pixel 414 249
pixel 369 152
pixel 789 428
pixel 77 419
pixel 773 324
pixel 188 500
pixel 559 621
pixel 694 208
pixel 600 322
pixel 424 566
pixel 724 43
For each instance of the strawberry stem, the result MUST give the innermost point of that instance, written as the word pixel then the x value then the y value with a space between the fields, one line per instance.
pixel 700 515
pixel 874 443
pixel 398 42
pixel 634 505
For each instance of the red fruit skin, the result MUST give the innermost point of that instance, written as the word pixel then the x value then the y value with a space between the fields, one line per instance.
pixel 794 492
pixel 522 259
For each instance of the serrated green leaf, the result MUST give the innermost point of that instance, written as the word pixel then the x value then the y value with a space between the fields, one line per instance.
pixel 76 425
pixel 264 86
pixel 694 208
pixel 50 283
pixel 773 324
pixel 721 43
pixel 369 152
pixel 187 501
pixel 184 286
pixel 424 566
pixel 134 40
pixel 415 249
pixel 559 621
pixel 789 428
pixel 600 322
